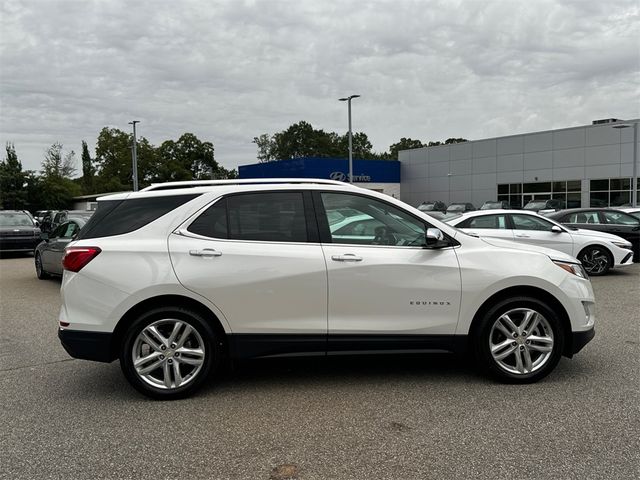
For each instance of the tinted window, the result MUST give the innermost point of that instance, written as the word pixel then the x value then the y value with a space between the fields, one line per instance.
pixel 529 222
pixel 212 222
pixel 273 217
pixel 115 217
pixel 619 218
pixel 70 230
pixel 487 221
pixel 372 223
pixel 60 229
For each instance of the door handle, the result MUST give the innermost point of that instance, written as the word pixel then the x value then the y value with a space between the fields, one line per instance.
pixel 522 236
pixel 205 252
pixel 347 257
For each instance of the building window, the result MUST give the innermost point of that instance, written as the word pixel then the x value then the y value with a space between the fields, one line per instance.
pixel 519 194
pixel 610 192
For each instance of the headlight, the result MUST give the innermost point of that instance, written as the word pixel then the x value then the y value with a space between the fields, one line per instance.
pixel 573 268
pixel 626 245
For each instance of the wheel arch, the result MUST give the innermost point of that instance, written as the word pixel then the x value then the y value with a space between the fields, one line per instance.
pixel 526 291
pixel 160 301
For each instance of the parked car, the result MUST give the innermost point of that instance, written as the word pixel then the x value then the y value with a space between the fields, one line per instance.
pixel 540 206
pixel 49 252
pixel 18 231
pixel 606 220
pixel 491 205
pixel 53 218
pixel 598 252
pixel 172 280
pixel 460 208
pixel 436 206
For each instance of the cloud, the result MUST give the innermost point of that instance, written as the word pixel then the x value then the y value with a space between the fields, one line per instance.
pixel 229 71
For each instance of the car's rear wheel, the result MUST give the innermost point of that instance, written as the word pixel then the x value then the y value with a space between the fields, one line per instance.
pixel 40 272
pixel 168 353
pixel 519 340
pixel 596 260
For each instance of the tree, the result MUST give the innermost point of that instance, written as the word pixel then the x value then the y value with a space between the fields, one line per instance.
pixel 88 170
pixel 449 141
pixel 12 180
pixel 56 187
pixel 113 160
pixel 55 165
pixel 265 146
pixel 187 158
pixel 403 144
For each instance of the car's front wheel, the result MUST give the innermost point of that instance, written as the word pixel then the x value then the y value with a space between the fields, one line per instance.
pixel 168 353
pixel 519 340
pixel 596 260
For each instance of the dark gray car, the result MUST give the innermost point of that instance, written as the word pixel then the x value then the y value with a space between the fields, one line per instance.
pixel 49 252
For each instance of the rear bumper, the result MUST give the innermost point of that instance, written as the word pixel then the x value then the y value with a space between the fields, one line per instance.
pixel 580 339
pixel 86 345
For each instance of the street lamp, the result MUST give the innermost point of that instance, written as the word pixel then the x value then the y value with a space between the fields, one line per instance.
pixel 134 156
pixel 348 100
pixel 634 180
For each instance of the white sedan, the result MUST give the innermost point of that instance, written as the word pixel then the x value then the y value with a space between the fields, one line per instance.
pixel 598 251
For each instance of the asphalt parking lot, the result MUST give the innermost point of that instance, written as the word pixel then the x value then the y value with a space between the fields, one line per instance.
pixel 365 418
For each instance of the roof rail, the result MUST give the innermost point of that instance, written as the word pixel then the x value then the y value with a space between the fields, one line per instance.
pixel 247 181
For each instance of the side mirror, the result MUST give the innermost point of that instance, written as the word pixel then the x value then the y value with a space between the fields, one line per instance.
pixel 556 229
pixel 44 236
pixel 434 238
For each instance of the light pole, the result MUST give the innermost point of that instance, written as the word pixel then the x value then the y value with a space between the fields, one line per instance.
pixel 634 180
pixel 134 156
pixel 348 100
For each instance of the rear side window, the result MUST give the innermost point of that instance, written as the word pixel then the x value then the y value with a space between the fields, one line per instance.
pixel 212 222
pixel 273 217
pixel 115 217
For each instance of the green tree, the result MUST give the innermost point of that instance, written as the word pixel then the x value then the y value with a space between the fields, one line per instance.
pixel 88 170
pixel 403 144
pixel 187 158
pixel 449 141
pixel 113 160
pixel 57 189
pixel 12 180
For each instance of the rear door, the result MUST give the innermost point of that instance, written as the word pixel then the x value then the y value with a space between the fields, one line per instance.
pixel 257 258
pixel 54 250
pixel 535 230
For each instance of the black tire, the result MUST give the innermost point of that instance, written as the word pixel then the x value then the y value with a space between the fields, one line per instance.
pixel 487 334
pixel 132 344
pixel 40 271
pixel 596 260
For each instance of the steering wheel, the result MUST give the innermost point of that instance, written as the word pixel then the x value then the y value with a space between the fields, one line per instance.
pixel 384 236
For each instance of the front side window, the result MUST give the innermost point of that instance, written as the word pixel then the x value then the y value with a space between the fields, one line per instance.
pixel 371 222
pixel 619 218
pixel 486 221
pixel 529 222
pixel 212 222
pixel 70 230
pixel 60 229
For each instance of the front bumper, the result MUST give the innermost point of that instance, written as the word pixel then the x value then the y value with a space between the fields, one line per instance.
pixel 86 345
pixel 579 340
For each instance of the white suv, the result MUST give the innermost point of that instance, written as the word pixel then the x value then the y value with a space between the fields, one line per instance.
pixel 175 277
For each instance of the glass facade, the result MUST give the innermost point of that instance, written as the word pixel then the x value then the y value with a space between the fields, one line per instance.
pixel 519 194
pixel 610 192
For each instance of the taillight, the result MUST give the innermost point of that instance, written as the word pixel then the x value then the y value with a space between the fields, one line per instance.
pixel 75 258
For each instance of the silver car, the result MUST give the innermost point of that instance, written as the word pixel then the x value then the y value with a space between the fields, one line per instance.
pixel 49 252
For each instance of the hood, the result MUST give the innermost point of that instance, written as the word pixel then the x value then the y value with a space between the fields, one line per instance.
pixel 595 233
pixel 554 254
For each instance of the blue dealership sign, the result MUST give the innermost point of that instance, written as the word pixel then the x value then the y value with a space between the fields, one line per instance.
pixel 364 171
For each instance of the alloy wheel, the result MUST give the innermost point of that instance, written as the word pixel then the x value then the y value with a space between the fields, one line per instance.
pixel 521 341
pixel 595 261
pixel 168 354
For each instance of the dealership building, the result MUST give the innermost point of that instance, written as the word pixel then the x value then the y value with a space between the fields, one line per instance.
pixel 590 165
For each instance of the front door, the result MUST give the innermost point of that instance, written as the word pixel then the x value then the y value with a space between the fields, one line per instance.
pixel 382 281
pixel 534 230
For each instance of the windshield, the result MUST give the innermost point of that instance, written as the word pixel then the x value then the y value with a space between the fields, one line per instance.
pixel 426 207
pixel 15 220
pixel 455 208
pixel 491 206
pixel 450 216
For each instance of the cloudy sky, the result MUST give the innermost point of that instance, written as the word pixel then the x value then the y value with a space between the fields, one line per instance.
pixel 229 71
